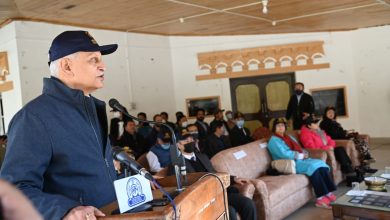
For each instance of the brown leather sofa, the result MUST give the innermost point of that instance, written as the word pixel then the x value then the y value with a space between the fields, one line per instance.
pixel 275 196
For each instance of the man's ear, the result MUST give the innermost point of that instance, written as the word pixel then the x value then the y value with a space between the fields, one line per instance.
pixel 66 67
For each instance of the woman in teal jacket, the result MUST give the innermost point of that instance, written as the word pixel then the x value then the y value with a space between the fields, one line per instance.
pixel 283 146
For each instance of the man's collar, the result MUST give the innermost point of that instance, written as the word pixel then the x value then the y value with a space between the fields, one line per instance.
pixel 189 156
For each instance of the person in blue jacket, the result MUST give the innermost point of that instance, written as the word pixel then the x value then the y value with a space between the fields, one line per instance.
pixel 58 151
pixel 283 146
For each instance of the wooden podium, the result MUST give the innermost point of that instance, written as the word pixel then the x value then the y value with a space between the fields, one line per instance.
pixel 202 199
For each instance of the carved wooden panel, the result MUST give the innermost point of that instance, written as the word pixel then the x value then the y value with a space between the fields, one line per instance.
pixel 4 71
pixel 261 60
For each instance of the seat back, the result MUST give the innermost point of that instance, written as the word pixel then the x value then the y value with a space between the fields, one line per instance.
pixel 248 161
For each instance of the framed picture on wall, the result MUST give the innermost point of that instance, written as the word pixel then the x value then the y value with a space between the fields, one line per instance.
pixel 209 104
pixel 330 96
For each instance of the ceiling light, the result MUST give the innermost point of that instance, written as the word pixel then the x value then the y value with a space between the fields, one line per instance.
pixel 265 3
pixel 181 20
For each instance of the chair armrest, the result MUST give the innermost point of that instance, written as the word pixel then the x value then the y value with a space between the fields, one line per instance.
pixel 317 154
pixel 351 151
pixel 246 190
pixel 261 199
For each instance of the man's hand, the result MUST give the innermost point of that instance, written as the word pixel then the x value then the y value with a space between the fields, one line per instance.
pixel 305 115
pixel 15 205
pixel 241 181
pixel 84 213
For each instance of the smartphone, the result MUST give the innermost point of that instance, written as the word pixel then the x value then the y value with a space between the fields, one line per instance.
pixel 159 202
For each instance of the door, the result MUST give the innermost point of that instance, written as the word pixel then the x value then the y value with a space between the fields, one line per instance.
pixel 261 98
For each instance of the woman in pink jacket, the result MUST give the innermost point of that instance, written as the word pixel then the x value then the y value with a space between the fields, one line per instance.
pixel 312 137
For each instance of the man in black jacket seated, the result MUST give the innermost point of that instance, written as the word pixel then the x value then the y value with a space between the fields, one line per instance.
pixel 300 106
pixel 217 141
pixel 239 135
pixel 130 138
pixel 198 162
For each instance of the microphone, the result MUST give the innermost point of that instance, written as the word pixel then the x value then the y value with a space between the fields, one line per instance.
pixel 176 158
pixel 123 157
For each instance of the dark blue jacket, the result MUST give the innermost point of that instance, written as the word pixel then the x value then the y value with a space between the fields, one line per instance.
pixel 58 152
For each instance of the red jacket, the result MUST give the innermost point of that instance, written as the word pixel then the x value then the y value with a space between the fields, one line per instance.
pixel 311 140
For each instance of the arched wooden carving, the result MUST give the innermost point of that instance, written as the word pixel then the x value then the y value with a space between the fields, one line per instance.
pixel 269 60
pixel 4 71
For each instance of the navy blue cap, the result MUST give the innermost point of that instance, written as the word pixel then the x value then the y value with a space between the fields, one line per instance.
pixel 70 42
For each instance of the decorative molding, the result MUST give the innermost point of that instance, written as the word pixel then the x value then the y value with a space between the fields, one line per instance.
pixel 4 71
pixel 268 60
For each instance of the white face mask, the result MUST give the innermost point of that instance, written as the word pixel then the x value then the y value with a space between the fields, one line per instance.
pixel 184 124
pixel 164 121
pixel 240 123
pixel 229 116
pixel 116 114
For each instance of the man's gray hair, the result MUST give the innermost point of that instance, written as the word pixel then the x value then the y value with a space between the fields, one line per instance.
pixel 55 65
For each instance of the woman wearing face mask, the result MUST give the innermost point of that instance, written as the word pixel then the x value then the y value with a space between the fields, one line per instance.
pixel 239 135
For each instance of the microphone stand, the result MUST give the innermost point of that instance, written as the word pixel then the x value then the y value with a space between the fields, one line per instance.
pixel 176 157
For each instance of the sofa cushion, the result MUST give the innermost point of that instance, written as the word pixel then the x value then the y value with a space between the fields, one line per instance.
pixel 280 187
pixel 248 161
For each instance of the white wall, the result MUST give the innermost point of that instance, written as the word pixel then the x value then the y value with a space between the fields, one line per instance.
pixel 371 54
pixel 337 50
pixel 12 100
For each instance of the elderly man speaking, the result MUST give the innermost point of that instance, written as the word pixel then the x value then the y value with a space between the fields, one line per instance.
pixel 58 152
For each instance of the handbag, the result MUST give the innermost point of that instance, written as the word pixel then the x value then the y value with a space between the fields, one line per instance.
pixel 284 166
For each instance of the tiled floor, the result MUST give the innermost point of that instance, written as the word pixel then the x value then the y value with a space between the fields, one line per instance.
pixel 380 150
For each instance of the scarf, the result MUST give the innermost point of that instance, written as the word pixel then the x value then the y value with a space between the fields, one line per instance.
pixel 294 146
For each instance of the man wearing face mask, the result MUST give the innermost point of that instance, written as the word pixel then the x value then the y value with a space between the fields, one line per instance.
pixel 198 162
pixel 203 127
pixel 116 126
pixel 165 120
pixel 239 135
pixel 182 124
pixel 230 120
pixel 159 155
pixel 300 106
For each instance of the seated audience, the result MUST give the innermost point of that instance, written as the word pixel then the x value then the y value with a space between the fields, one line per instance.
pixel 203 127
pixel 334 129
pixel 283 146
pixel 159 155
pixel 165 120
pixel 198 162
pixel 230 120
pixel 312 137
pixel 217 141
pixel 152 137
pixel 14 205
pixel 218 117
pixel 144 128
pixel 239 135
pixel 130 138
